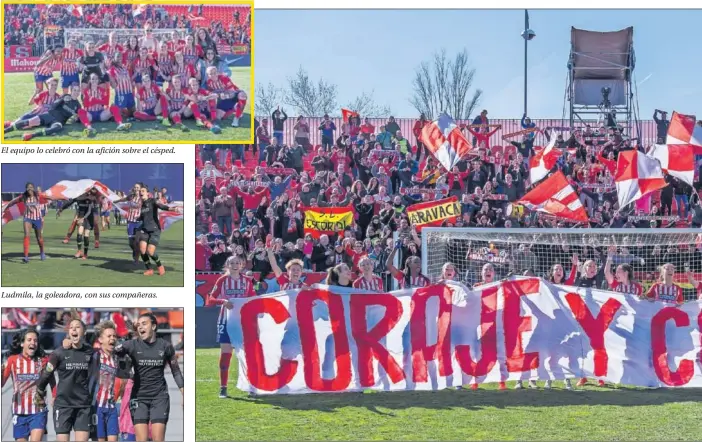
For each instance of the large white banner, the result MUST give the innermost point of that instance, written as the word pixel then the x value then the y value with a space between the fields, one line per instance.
pixel 333 340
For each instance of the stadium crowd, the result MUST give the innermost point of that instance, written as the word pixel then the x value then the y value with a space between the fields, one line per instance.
pixel 26 24
pixel 253 198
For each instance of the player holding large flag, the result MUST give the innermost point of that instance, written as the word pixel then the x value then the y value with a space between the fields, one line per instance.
pixel 24 366
pixel 233 284
pixel 230 99
pixel 33 219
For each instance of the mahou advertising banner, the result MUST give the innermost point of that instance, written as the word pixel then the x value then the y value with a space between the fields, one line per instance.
pixel 25 64
pixel 336 340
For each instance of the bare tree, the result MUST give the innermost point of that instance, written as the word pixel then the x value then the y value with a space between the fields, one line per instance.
pixel 443 85
pixel 309 98
pixel 267 99
pixel 366 106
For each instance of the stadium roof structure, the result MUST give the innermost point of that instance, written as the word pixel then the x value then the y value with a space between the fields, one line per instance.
pixel 600 70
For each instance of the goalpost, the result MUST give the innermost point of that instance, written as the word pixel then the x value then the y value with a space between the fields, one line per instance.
pixel 535 251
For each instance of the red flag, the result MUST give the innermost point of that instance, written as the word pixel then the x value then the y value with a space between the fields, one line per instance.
pixel 683 130
pixel 611 165
pixel 543 161
pixel 76 10
pixel 677 160
pixel 555 196
pixel 445 141
pixel 346 114
pixel 637 175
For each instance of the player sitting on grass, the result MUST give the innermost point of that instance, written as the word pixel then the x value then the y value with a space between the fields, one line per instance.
pixel 123 86
pixel 96 102
pixel 152 104
pixel 62 112
pixel 42 101
pixel 230 99
pixel 175 95
pixel 198 100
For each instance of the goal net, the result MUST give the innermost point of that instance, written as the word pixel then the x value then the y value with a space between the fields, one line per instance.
pixel 536 251
pixel 101 36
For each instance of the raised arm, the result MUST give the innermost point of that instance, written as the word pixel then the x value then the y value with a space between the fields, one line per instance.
pixel 390 266
pixel 274 263
pixel 608 267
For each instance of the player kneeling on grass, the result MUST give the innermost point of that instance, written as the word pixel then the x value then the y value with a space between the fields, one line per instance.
pixel 152 104
pixel 230 99
pixel 96 102
pixel 33 219
pixel 63 111
pixel 74 393
pixel 200 100
pixel 149 401
pixel 25 364
pixel 42 101
pixel 150 235
pixel 175 96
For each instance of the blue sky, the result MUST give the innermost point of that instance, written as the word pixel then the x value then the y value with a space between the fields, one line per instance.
pixel 364 50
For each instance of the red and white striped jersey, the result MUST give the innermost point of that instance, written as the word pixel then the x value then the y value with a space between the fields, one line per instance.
pixel 175 45
pixel 48 67
pixel 176 98
pixel 229 287
pixel 375 284
pixel 149 96
pixel 122 80
pixel 45 99
pixel 221 85
pixel 164 62
pixel 110 51
pixel 128 56
pixel 142 65
pixel 134 209
pixel 418 281
pixel 95 100
pixel 105 394
pixel 192 54
pixel 285 283
pixel 69 61
pixel 25 374
pixel 660 292
pixel 106 205
pixel 185 70
pixel 32 208
pixel 633 288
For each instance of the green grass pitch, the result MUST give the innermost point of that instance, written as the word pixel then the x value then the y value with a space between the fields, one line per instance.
pixel 591 413
pixel 109 266
pixel 20 86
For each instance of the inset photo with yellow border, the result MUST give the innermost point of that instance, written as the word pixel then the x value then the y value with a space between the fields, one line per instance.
pixel 160 72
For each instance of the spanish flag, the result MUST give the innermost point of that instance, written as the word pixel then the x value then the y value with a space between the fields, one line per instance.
pixel 327 220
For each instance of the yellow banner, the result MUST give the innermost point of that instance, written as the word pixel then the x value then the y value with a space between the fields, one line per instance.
pixel 327 220
pixel 433 213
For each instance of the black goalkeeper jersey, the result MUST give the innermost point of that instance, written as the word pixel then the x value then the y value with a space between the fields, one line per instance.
pixel 84 206
pixel 149 215
pixel 93 63
pixel 64 108
pixel 75 368
pixel 149 361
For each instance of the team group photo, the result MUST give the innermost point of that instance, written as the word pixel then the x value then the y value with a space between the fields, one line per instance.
pixel 92 374
pixel 127 72
pixel 92 225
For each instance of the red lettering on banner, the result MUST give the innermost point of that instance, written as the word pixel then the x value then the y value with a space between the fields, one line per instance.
pixel 368 341
pixel 488 338
pixel 515 325
pixel 308 338
pixel 255 365
pixel 686 369
pixel 421 352
pixel 595 327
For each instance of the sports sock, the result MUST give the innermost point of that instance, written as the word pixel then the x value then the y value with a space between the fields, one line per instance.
pixel 41 245
pixel 240 107
pixel 83 117
pixel 224 361
pixel 86 243
pixel 145 258
pixel 155 259
pixel 116 113
pixel 79 240
pixel 143 116
pixel 164 106
pixel 26 246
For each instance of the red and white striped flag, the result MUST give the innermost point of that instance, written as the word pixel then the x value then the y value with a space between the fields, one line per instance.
pixel 556 196
pixel 12 213
pixel 64 190
pixel 543 161
pixel 445 141
pixel 167 218
pixel 637 175
pixel 76 10
pixel 683 130
pixel 677 160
